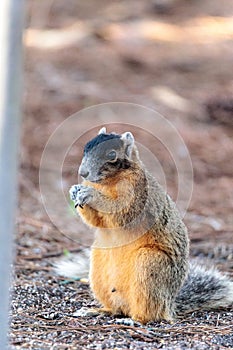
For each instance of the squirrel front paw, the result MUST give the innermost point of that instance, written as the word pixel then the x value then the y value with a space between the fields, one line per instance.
pixel 80 195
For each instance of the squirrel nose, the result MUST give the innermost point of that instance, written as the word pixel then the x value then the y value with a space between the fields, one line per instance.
pixel 84 173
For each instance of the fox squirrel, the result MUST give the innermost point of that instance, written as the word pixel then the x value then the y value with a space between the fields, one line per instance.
pixel 139 260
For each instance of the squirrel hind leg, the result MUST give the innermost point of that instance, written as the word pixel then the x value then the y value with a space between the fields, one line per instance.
pixel 153 315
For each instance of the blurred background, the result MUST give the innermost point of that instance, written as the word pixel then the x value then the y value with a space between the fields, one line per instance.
pixel 174 56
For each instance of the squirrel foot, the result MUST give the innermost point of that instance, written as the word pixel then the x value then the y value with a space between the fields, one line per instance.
pixel 85 312
pixel 80 195
pixel 126 321
pixel 143 319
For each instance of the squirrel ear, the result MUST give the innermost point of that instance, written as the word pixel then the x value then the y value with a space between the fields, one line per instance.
pixel 102 131
pixel 128 140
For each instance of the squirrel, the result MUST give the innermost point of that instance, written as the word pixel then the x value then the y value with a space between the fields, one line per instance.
pixel 139 264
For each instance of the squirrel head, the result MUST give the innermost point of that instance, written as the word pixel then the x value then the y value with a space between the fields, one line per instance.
pixel 107 154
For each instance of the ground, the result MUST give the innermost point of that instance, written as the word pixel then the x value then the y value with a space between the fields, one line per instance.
pixel 172 56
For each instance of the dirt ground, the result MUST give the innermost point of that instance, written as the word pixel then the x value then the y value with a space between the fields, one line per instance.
pixel 174 56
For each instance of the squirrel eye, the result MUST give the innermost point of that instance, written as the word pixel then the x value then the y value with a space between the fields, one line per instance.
pixel 112 156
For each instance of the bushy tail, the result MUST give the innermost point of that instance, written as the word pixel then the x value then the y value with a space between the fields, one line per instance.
pixel 204 290
pixel 74 266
